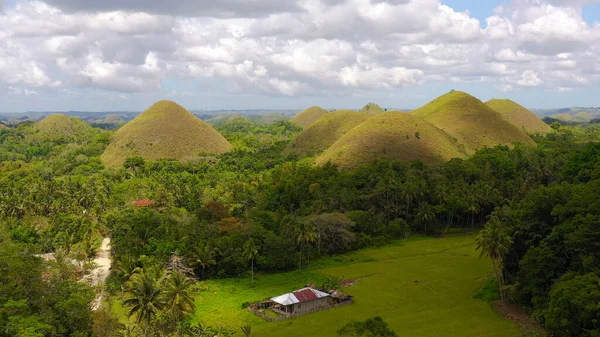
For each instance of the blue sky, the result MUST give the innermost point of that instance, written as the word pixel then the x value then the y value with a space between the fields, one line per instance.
pixel 115 55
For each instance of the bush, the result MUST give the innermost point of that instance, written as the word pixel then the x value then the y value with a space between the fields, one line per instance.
pixel 372 327
pixel 489 291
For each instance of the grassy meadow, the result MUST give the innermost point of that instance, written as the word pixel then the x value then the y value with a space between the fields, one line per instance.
pixel 423 287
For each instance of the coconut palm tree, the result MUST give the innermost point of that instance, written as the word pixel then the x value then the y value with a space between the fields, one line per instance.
pixel 145 299
pixel 250 253
pixel 204 256
pixel 426 214
pixel 494 241
pixel 178 295
pixel 306 233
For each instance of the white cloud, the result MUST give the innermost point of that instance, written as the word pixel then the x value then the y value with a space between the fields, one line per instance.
pixel 529 78
pixel 293 48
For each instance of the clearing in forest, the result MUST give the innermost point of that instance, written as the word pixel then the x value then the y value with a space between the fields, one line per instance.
pixel 423 287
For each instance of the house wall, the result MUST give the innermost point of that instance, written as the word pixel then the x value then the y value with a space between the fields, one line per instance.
pixel 306 307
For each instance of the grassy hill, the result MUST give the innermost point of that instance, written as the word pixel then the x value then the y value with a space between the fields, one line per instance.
pixel 564 117
pixel 325 131
pixel 472 123
pixel 395 136
pixel 372 109
pixel 58 125
pixel 164 131
pixel 519 116
pixel 306 117
pixel 583 116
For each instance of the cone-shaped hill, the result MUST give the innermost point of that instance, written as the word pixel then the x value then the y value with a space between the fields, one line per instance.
pixel 372 109
pixel 519 116
pixel 325 131
pixel 59 125
pixel 164 131
pixel 472 123
pixel 395 136
pixel 306 117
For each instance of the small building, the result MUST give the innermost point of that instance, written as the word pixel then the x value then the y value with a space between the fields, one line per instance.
pixel 301 301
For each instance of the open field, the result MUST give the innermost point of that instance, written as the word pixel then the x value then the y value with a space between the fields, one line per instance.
pixel 421 288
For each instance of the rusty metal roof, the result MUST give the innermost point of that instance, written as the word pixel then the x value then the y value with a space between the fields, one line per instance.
pixel 305 295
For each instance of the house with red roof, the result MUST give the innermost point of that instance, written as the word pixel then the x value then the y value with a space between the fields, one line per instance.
pixel 301 301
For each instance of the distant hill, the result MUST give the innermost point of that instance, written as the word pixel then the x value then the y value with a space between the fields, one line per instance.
pixel 372 109
pixel 111 119
pixel 395 136
pixel 472 123
pixel 164 131
pixel 583 116
pixel 568 111
pixel 306 117
pixel 325 131
pixel 519 116
pixel 59 125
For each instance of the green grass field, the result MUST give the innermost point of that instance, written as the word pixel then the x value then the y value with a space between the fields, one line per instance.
pixel 421 288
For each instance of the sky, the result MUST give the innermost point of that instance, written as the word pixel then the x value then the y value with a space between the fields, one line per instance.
pixel 116 55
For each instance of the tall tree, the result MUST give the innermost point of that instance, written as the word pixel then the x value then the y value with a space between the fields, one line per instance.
pixel 178 295
pixel 250 254
pixel 145 299
pixel 203 256
pixel 305 233
pixel 494 241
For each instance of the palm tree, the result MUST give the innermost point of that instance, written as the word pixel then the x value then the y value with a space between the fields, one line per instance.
pixel 127 267
pixel 426 214
pixel 145 299
pixel 306 233
pixel 204 256
pixel 250 254
pixel 494 241
pixel 247 330
pixel 473 209
pixel 178 295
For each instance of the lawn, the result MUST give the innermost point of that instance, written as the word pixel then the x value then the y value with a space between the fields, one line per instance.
pixel 421 288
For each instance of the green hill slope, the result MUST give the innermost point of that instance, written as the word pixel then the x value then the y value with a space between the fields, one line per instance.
pixel 325 131
pixel 372 109
pixel 58 125
pixel 306 117
pixel 583 116
pixel 164 131
pixel 395 136
pixel 472 123
pixel 519 116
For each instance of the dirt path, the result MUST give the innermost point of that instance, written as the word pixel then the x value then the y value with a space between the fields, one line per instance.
pixel 99 274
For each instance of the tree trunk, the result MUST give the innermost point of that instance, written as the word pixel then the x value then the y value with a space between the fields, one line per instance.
pixel 499 281
pixel 300 263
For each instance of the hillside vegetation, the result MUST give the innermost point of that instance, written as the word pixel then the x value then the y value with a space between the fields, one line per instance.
pixel 58 125
pixel 519 116
pixel 372 109
pixel 306 117
pixel 394 136
pixel 164 131
pixel 472 123
pixel 325 131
